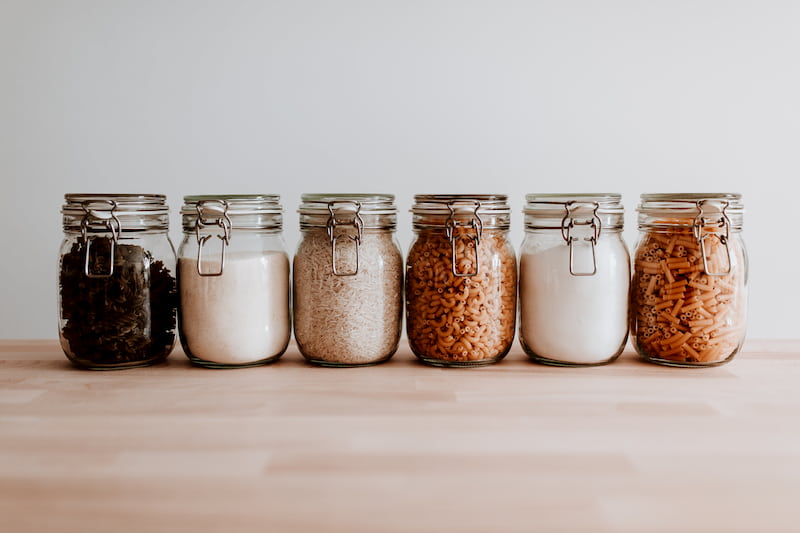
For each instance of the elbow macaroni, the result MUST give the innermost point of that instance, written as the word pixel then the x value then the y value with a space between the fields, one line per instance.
pixel 460 320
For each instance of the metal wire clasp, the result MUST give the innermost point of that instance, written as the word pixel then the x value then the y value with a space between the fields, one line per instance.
pixel 701 223
pixel 93 214
pixel 475 223
pixel 569 222
pixel 218 211
pixel 357 223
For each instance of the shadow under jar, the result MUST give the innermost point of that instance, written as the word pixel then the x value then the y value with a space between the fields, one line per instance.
pixel 461 280
pixel 574 279
pixel 348 280
pixel 233 280
pixel 689 288
pixel 117 291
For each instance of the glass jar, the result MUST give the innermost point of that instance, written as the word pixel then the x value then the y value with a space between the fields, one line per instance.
pixel 348 279
pixel 233 280
pixel 574 279
pixel 461 280
pixel 117 293
pixel 689 289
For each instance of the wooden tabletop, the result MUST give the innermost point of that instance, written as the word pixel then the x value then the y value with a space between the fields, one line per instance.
pixel 629 447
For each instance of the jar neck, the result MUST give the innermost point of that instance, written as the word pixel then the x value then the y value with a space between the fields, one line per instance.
pixel 368 221
pixel 441 229
pixel 322 230
pixel 552 231
pixel 126 233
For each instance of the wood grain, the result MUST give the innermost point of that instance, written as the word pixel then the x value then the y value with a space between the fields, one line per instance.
pixel 629 447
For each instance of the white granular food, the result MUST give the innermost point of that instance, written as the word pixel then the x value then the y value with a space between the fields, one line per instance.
pixel 241 316
pixel 348 320
pixel 574 319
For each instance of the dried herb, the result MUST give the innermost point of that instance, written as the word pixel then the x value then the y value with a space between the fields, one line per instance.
pixel 122 319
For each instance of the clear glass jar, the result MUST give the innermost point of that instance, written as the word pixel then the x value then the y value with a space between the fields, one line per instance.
pixel 348 279
pixel 117 293
pixel 233 280
pixel 689 288
pixel 461 280
pixel 574 279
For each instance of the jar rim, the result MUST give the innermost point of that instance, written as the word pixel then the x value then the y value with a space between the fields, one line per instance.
pixel 368 203
pixel 543 204
pixel 447 197
pixel 443 203
pixel 78 203
pixel 237 204
pixel 348 196
pixel 232 197
pixel 488 200
pixel 690 197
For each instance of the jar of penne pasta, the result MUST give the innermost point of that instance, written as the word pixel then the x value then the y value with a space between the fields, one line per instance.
pixel 461 279
pixel 574 279
pixel 689 289
pixel 348 280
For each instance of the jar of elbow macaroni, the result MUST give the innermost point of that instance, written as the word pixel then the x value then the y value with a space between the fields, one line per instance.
pixel 689 289
pixel 461 279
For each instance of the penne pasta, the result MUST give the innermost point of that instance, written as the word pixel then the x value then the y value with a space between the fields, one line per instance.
pixel 680 312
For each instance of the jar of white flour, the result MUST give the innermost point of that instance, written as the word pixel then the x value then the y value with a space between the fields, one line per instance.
pixel 574 279
pixel 348 279
pixel 233 280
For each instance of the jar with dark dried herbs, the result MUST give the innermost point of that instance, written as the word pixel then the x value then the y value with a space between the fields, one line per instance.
pixel 117 288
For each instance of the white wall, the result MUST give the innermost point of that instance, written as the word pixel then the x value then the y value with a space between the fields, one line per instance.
pixel 183 97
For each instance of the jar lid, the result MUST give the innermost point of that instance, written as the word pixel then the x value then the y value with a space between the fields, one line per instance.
pixel 237 204
pixel 78 204
pixel 442 203
pixel 552 211
pixel 114 213
pixel 320 204
pixel 236 211
pixel 373 211
pixel 690 196
pixel 554 204
pixel 441 210
pixel 681 209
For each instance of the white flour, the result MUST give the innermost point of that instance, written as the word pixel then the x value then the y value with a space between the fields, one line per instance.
pixel 573 319
pixel 241 316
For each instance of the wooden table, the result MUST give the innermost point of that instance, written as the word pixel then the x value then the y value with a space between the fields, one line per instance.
pixel 629 447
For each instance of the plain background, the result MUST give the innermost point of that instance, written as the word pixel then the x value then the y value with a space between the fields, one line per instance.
pixel 187 97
